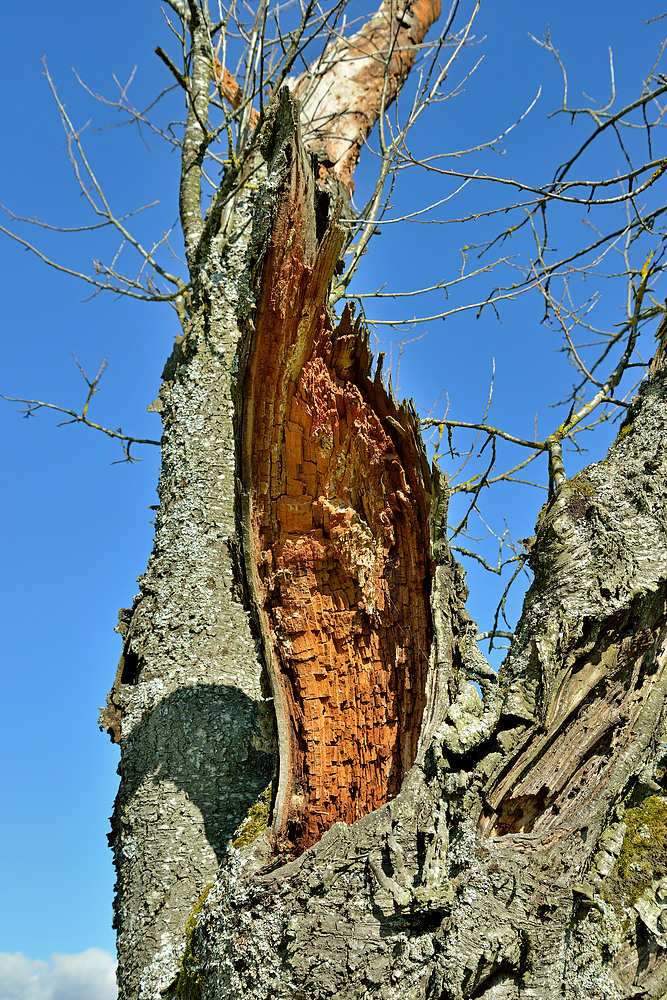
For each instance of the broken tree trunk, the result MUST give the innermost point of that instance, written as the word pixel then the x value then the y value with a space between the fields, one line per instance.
pixel 497 870
pixel 301 627
pixel 336 492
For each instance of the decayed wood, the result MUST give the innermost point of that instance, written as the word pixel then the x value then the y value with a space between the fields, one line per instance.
pixel 344 92
pixel 594 714
pixel 337 508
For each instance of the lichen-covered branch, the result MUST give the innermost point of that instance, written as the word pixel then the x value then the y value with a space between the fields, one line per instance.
pixel 195 133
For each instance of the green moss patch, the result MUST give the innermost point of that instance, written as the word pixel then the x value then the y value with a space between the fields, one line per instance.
pixel 643 856
pixel 189 982
pixel 582 484
pixel 256 822
pixel 626 428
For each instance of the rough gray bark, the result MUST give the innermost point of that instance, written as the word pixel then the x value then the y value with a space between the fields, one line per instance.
pixel 493 873
pixel 188 686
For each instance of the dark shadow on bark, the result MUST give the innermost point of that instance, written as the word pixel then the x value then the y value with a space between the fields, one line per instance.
pixel 203 740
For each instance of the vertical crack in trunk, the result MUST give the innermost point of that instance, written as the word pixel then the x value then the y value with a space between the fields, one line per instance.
pixel 336 506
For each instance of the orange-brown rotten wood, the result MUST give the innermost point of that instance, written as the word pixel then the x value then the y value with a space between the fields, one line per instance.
pixel 337 488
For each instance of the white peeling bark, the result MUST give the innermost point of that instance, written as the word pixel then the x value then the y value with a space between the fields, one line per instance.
pixel 356 79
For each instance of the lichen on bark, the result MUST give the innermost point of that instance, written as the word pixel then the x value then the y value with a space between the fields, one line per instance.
pixel 186 702
pixel 642 858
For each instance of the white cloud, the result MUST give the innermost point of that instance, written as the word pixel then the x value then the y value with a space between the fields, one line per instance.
pixel 90 975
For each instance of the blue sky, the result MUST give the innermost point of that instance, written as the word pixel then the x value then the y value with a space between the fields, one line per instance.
pixel 78 528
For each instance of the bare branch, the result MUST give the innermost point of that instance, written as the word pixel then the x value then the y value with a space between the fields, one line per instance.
pixel 127 440
pixel 179 8
pixel 172 67
pixel 127 286
pixel 73 140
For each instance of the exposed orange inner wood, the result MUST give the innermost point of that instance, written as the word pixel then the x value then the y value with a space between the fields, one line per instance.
pixel 341 550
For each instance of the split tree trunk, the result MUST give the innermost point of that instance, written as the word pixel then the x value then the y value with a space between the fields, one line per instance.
pixel 302 625
pixel 485 876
